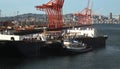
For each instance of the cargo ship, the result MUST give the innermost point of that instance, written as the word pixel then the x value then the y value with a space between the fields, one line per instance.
pixel 36 41
pixel 46 42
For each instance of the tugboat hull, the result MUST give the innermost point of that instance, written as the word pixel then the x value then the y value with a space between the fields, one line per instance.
pixel 77 51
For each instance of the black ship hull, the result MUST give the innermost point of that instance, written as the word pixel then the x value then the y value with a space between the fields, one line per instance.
pixel 41 48
pixel 28 48
pixel 95 42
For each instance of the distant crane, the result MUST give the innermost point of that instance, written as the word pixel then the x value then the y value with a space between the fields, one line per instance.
pixel 85 16
pixel 53 10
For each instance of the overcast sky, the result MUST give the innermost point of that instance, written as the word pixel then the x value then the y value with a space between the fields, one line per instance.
pixel 103 7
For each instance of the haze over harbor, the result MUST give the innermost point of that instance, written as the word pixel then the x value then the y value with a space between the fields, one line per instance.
pixel 68 18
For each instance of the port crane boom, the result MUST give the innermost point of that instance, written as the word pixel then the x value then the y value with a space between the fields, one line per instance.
pixel 53 11
pixel 84 16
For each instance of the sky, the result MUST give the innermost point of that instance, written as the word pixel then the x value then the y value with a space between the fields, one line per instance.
pixel 100 7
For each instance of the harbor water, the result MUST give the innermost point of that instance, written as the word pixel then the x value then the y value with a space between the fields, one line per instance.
pixel 103 58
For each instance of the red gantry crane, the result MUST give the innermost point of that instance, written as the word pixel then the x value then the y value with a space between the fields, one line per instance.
pixel 85 16
pixel 53 10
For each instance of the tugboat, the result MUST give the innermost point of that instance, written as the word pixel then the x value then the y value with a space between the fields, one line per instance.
pixel 73 46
